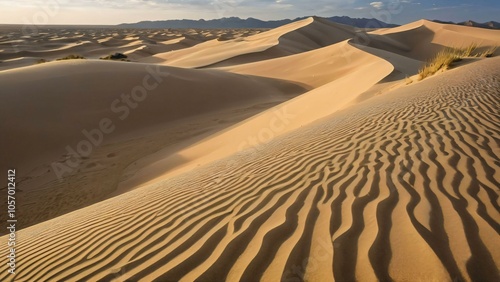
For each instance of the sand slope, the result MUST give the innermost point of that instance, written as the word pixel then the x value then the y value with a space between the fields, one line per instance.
pixel 343 91
pixel 402 186
pixel 293 38
pixel 184 105
pixel 314 68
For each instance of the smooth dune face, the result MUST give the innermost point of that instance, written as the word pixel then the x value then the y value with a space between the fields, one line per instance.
pixel 301 36
pixel 305 153
pixel 330 63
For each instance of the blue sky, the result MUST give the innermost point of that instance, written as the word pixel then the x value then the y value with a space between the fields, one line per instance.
pixel 120 11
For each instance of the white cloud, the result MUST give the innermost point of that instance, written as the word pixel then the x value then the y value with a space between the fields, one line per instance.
pixel 377 5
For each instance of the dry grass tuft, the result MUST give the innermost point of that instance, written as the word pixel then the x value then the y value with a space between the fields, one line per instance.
pixel 488 52
pixel 71 57
pixel 116 57
pixel 445 58
pixel 441 61
pixel 467 51
pixel 408 80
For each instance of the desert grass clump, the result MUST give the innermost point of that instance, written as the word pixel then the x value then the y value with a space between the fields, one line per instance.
pixel 408 80
pixel 71 57
pixel 467 51
pixel 445 58
pixel 441 61
pixel 116 57
pixel 488 52
pixel 41 61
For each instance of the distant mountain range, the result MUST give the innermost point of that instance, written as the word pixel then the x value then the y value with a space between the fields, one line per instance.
pixel 490 24
pixel 235 22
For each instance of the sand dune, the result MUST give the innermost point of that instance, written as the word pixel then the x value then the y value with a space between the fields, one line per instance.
pixel 54 43
pixel 407 48
pixel 311 69
pixel 184 105
pixel 422 39
pixel 290 115
pixel 297 37
pixel 403 186
pixel 301 153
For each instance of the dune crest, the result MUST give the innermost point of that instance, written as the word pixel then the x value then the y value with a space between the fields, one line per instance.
pixel 294 38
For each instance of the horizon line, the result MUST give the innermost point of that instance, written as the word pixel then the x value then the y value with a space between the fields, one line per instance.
pixel 214 19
